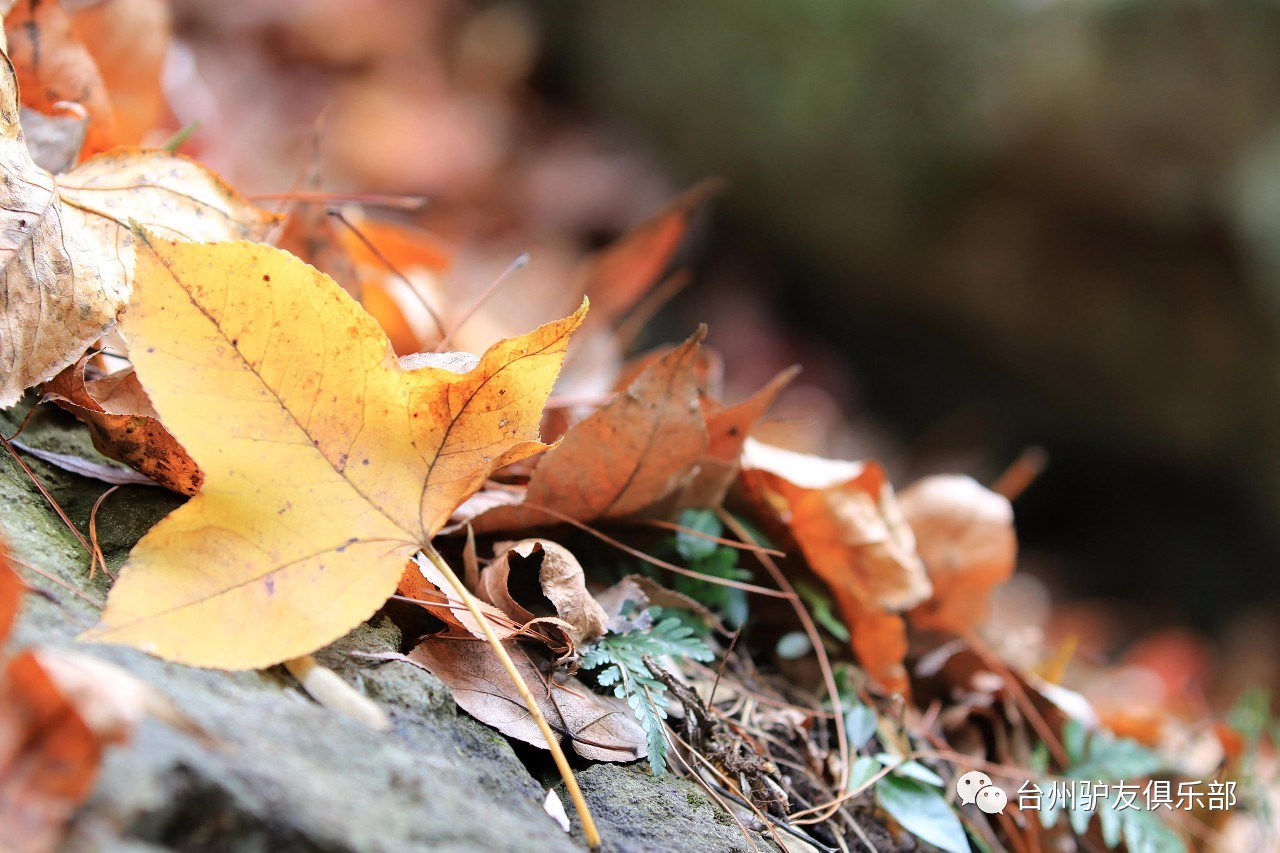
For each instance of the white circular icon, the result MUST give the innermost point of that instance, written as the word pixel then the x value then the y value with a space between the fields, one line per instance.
pixel 968 786
pixel 992 799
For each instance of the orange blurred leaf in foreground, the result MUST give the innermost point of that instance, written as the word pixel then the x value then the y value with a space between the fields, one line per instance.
pixel 10 592
pixel 327 461
pixel 964 534
pixel 48 757
pixel 124 425
pixel 54 66
pixel 846 520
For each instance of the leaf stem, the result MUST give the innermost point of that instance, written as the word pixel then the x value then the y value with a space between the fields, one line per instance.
pixel 553 742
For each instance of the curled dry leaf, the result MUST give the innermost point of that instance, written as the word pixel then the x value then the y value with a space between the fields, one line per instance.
pixel 601 728
pixel 964 533
pixel 327 463
pixel 66 248
pixel 124 425
pixel 424 583
pixel 53 66
pixel 635 451
pixel 562 581
pixel 846 520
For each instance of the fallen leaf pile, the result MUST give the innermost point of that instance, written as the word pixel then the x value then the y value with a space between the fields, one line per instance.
pixel 282 372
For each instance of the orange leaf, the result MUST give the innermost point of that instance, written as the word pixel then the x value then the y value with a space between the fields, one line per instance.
pixel 964 534
pixel 620 274
pixel 53 65
pixel 124 425
pixel 48 757
pixel 11 588
pixel 728 428
pixel 128 40
pixel 846 520
pixel 635 451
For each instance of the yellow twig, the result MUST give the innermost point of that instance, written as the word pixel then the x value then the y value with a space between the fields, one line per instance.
pixel 553 742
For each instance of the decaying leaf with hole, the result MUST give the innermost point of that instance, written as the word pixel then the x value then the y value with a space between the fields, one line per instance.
pixel 327 463
pixel 638 449
pixel 560 578
pixel 66 250
pixel 964 534
pixel 124 425
pixel 54 66
pixel 846 520
pixel 601 728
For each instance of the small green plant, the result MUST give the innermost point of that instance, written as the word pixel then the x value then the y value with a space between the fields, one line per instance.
pixel 714 560
pixel 1102 758
pixel 618 660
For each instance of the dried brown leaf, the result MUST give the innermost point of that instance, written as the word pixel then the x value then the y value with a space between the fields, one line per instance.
pixel 964 533
pixel 846 520
pixel 561 579
pixel 124 425
pixel 66 249
pixel 601 728
pixel 635 451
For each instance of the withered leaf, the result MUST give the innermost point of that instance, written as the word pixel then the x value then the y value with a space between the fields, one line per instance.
pixel 964 533
pixel 124 425
pixel 600 728
pixel 620 274
pixel 560 577
pixel 846 520
pixel 635 451
pixel 728 428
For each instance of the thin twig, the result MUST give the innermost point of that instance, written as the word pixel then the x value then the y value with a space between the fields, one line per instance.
pixel 663 564
pixel 728 543
pixel 517 264
pixel 84 543
pixel 1023 471
pixel 395 202
pixel 59 581
pixel 553 743
pixel 98 557
pixel 811 630
pixel 392 268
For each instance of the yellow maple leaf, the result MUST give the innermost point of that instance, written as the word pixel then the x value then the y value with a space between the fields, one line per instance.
pixel 327 461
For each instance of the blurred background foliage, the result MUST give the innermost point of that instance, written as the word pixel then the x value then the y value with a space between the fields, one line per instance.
pixel 979 224
pixel 1020 222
